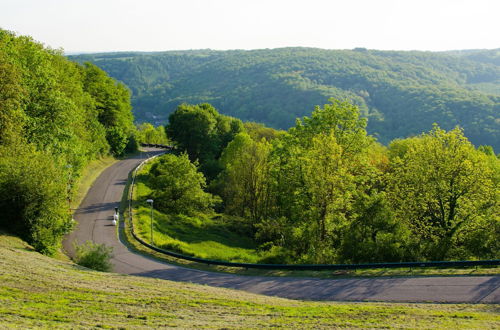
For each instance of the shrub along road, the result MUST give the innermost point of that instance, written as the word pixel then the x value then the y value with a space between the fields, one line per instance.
pixel 94 223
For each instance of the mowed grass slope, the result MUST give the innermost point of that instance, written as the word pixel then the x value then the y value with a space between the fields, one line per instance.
pixel 40 292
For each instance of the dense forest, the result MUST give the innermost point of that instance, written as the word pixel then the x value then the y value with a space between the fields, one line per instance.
pixel 55 117
pixel 401 94
pixel 325 191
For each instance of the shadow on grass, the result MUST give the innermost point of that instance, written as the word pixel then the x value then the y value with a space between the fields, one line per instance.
pixel 192 230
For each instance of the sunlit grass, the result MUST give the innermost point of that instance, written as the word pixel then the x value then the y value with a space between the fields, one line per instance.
pixel 41 292
pixel 202 236
pixel 196 236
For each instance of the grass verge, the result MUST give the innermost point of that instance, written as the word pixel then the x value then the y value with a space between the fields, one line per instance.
pixel 89 175
pixel 41 292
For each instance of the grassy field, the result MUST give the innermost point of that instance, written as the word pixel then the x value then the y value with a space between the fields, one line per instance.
pixel 41 292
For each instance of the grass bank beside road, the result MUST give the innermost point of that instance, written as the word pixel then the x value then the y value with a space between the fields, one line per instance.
pixel 89 175
pixel 41 292
pixel 204 236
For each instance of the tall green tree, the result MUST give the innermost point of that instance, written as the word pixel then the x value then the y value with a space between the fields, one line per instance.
pixel 319 170
pixel 443 189
pixel 112 104
pixel 203 133
pixel 49 130
pixel 178 186
pixel 245 178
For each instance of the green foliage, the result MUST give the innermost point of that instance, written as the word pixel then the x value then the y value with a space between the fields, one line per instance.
pixel 259 131
pixel 320 176
pixel 117 140
pixel 245 177
pixel 375 235
pixel 33 197
pixel 112 105
pixel 94 256
pixel 55 117
pixel 11 93
pixel 400 93
pixel 203 133
pixel 445 191
pixel 147 133
pixel 178 186
pixel 326 192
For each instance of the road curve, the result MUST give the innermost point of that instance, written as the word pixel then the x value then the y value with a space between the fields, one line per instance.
pixel 94 223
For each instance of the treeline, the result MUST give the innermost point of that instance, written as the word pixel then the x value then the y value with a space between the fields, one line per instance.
pixel 55 117
pixel 327 192
pixel 400 93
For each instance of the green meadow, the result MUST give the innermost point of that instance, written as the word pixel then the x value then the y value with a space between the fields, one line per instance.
pixel 41 292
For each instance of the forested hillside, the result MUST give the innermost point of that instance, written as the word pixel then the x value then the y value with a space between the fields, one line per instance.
pixel 55 117
pixel 401 93
pixel 323 192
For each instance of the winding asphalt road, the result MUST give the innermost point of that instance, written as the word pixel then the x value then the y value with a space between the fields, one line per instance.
pixel 94 223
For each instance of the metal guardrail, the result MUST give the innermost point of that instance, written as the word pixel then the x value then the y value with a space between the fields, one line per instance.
pixel 469 263
pixel 153 145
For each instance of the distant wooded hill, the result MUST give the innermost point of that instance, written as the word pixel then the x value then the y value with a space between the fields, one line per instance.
pixel 401 93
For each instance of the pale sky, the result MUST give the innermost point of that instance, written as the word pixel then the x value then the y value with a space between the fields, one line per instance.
pixel 157 25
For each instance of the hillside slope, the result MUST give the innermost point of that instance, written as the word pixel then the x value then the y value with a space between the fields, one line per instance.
pixel 40 292
pixel 401 93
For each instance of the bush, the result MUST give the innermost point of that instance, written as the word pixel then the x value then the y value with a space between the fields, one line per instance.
pixel 117 140
pixel 33 198
pixel 94 256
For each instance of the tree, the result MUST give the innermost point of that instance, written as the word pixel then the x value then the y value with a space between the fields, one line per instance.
pixel 259 131
pixel 203 133
pixel 245 178
pixel 50 109
pixel 147 133
pixel 117 140
pixel 328 186
pixel 11 93
pixel 442 188
pixel 340 118
pixel 112 104
pixel 193 129
pixel 318 171
pixel 178 186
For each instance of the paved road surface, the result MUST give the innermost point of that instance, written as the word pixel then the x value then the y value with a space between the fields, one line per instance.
pixel 94 223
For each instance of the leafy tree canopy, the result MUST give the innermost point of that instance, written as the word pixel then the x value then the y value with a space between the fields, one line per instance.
pixel 55 116
pixel 203 133
pixel 178 186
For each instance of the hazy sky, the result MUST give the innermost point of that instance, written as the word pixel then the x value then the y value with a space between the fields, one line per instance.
pixel 148 25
